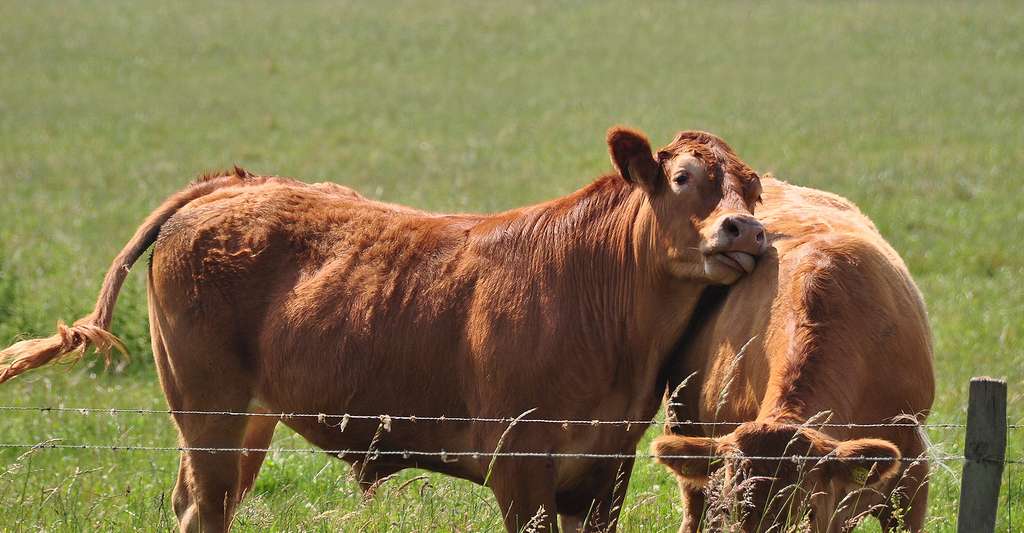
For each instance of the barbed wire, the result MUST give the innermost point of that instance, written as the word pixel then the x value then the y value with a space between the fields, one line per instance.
pixel 444 455
pixel 323 417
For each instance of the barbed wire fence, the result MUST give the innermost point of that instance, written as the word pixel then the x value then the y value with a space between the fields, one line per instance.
pixel 386 420
pixel 984 456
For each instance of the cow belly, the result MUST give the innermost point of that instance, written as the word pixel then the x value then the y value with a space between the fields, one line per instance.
pixel 349 443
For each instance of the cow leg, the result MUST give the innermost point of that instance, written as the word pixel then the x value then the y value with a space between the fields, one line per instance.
pixel 610 507
pixel 181 497
pixel 258 433
pixel 911 495
pixel 206 491
pixel 571 523
pixel 212 476
pixel 525 490
pixel 602 514
pixel 918 489
pixel 694 502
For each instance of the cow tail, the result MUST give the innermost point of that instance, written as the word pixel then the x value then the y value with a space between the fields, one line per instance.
pixel 93 330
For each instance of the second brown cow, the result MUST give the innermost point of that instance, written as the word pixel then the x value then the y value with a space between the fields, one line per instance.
pixel 823 352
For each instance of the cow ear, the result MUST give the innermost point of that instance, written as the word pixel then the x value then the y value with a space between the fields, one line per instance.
pixel 691 458
pixel 631 154
pixel 862 463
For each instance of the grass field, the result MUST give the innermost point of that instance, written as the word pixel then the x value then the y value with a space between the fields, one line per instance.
pixel 912 110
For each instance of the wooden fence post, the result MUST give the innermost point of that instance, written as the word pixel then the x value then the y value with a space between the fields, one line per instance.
pixel 985 450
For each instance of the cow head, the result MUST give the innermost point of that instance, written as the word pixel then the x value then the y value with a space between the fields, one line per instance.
pixel 756 493
pixel 702 198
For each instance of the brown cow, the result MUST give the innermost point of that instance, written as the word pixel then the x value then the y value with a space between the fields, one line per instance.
pixel 265 293
pixel 830 322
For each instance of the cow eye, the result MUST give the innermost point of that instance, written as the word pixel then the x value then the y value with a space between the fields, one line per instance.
pixel 681 178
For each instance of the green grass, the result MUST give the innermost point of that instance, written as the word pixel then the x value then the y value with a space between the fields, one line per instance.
pixel 912 110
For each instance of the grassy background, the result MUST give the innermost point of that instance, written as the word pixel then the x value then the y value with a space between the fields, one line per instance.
pixel 913 110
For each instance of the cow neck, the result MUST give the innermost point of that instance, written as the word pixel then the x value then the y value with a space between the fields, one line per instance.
pixel 602 246
pixel 787 401
pixel 663 302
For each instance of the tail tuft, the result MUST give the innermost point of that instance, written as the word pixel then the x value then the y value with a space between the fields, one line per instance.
pixel 69 343
pixel 93 330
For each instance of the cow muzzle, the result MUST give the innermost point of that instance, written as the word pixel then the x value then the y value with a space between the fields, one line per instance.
pixel 732 251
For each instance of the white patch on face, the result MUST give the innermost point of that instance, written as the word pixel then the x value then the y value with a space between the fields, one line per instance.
pixel 683 173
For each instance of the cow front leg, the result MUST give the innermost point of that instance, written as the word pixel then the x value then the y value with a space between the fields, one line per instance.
pixel 910 499
pixel 694 504
pixel 525 490
pixel 259 432
pixel 611 482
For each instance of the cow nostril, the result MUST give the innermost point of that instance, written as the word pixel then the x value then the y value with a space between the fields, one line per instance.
pixel 760 236
pixel 731 228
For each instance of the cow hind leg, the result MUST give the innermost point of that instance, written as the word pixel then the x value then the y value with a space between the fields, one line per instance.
pixel 200 377
pixel 211 473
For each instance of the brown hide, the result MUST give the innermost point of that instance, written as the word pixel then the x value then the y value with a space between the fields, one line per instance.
pixel 834 330
pixel 269 294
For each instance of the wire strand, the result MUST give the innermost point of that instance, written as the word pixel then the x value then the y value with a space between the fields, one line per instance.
pixel 49 445
pixel 443 418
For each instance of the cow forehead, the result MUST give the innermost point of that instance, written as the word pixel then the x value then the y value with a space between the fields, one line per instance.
pixel 771 440
pixel 712 152
pixel 688 161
